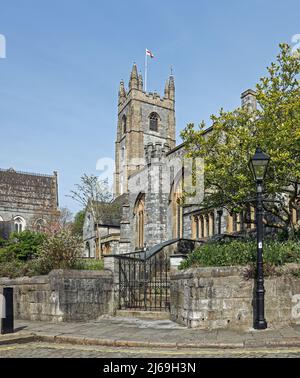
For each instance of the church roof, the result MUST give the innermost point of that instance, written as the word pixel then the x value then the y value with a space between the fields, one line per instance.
pixel 111 213
pixel 30 191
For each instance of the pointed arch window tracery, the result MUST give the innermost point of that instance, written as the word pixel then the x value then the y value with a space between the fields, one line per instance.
pixel 153 121
pixel 139 213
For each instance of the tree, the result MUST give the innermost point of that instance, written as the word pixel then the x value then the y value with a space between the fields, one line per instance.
pixel 24 245
pixel 65 217
pixel 93 195
pixel 77 227
pixel 275 127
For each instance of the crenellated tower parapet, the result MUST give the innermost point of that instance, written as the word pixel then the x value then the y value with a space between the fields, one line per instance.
pixel 144 118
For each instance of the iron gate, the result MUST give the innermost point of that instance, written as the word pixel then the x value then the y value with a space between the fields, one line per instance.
pixel 144 281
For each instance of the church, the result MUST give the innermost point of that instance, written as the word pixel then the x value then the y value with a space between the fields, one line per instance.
pixel 150 175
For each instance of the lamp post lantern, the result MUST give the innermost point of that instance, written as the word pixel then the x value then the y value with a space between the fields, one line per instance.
pixel 259 165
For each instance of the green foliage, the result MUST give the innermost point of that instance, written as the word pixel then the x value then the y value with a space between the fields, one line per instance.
pixel 89 264
pixel 296 273
pixel 29 254
pixel 274 126
pixel 221 254
pixel 17 268
pixel 241 253
pixel 77 227
pixel 22 246
pixel 2 242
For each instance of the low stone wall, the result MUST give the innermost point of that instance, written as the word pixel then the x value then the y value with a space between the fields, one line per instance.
pixel 221 298
pixel 63 295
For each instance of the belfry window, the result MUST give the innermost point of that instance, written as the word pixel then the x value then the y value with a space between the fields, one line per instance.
pixel 153 121
pixel 124 123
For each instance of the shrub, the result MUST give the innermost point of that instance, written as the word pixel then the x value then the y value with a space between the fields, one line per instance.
pixel 269 270
pixel 296 273
pixel 89 264
pixel 24 245
pixel 2 242
pixel 59 251
pixel 221 254
pixel 17 268
pixel 238 252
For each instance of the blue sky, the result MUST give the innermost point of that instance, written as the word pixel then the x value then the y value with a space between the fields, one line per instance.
pixel 65 58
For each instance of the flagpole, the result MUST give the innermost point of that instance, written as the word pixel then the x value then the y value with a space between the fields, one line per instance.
pixel 146 69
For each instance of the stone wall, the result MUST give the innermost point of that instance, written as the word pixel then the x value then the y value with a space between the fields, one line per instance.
pixel 222 298
pixel 62 295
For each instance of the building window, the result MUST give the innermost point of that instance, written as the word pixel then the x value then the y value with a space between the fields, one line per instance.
pixel 211 224
pixel 140 221
pixel 252 217
pixel 207 228
pixel 220 213
pixel 40 225
pixel 195 228
pixel 177 213
pixel 202 226
pixel 87 249
pixel 235 222
pixel 153 121
pixel 19 224
pixel 124 123
pixel 242 222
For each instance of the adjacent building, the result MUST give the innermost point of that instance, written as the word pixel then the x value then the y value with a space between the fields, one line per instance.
pixel 27 200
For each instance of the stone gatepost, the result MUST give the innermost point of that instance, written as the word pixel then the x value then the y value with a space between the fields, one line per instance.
pixel 111 263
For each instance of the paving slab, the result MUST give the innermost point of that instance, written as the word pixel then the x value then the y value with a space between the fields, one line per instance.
pixel 131 332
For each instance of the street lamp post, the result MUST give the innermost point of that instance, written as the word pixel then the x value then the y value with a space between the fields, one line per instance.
pixel 259 165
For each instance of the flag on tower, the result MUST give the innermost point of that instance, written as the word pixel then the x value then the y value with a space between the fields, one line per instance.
pixel 149 53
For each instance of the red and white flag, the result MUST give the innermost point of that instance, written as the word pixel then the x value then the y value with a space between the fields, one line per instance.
pixel 149 53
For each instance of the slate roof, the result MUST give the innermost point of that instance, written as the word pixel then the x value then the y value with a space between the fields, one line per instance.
pixel 27 190
pixel 112 212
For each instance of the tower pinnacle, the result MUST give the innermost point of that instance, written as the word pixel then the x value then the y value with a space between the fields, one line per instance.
pixel 122 92
pixel 133 82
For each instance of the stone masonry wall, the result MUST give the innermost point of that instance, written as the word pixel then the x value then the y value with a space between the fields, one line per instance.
pixel 222 298
pixel 63 295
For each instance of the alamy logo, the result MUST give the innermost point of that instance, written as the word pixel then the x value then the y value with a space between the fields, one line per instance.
pixel 295 50
pixel 2 47
pixel 2 307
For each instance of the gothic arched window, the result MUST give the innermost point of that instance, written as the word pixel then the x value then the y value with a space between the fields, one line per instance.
pixel 139 212
pixel 19 224
pixel 40 225
pixel 124 123
pixel 87 249
pixel 153 123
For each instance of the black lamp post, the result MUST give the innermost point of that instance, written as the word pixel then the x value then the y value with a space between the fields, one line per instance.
pixel 259 165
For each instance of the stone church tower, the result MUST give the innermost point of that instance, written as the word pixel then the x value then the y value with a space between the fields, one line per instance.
pixel 143 118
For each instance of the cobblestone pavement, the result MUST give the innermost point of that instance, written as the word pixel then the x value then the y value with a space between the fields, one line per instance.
pixel 49 350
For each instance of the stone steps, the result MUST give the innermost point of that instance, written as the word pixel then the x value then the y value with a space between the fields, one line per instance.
pixel 157 315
